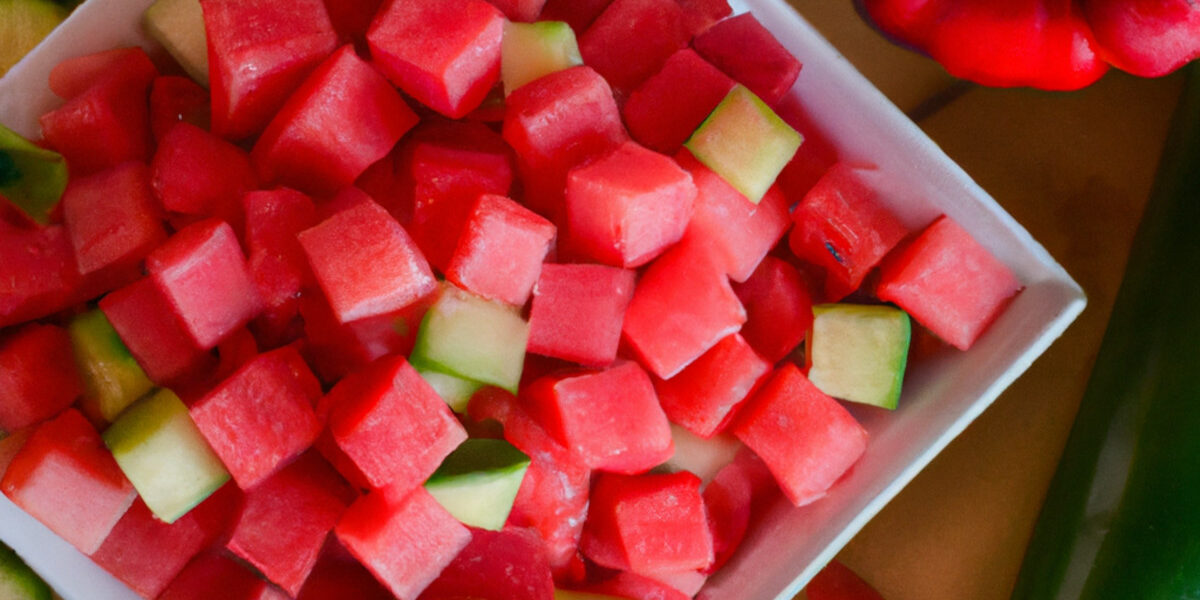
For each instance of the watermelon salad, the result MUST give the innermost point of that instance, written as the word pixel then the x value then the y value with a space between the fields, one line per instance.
pixel 511 299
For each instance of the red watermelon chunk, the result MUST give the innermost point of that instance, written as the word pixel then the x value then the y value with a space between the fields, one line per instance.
pixel 211 575
pixel 379 272
pixel 815 156
pixel 74 76
pixel 112 217
pixel 525 11
pixel 286 518
pixel 37 272
pixel 198 173
pixel 683 305
pixel 65 477
pixel 610 418
pixel 10 444
pixel 579 14
pixel 648 523
pixel 142 315
pixel 338 349
pixel 338 575
pixel 749 53
pixel 578 310
pixel 276 261
pixel 391 424
pixel 665 109
pixel 778 308
pixel 949 282
pixel 405 541
pixel 352 18
pixel 837 582
pixel 626 207
pixel 706 395
pixel 344 94
pixel 740 232
pixel 806 438
pixel 500 251
pixel 261 417
pixel 842 226
pixel 555 123
pixel 499 565
pixel 632 585
pixel 38 378
pixel 284 41
pixel 632 39
pixel 147 554
pixel 737 491
pixel 175 99
pixel 699 15
pixel 203 273
pixel 444 53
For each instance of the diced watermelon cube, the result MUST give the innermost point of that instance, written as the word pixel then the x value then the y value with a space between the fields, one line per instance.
pixel 444 53
pixel 261 417
pixel 749 53
pixel 610 418
pixel 699 15
pixel 525 11
pixel 665 109
pixel 38 378
pixel 198 173
pixel 648 523
pixel 286 518
pixel 501 249
pixel 740 232
pixel 405 541
pixel 626 207
pixel 10 444
pixel 37 272
pixel 338 575
pixel 147 554
pixel 213 575
pixel 555 123
pixel 392 424
pixel 778 308
pixel 683 305
pixel 578 310
pixel 284 42
pixel 112 217
pixel 203 273
pixel 175 99
pixel 501 565
pixel 276 261
pixel 626 584
pixel 806 438
pixel 346 95
pixel 579 14
pixel 338 349
pixel 352 18
pixel 65 478
pixel 815 156
pixel 143 316
pixel 74 76
pixel 632 39
pixel 737 491
pixel 837 582
pixel 381 272
pixel 705 396
pixel 949 282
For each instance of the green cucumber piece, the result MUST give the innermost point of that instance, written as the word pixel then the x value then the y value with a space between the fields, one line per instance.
pixel 179 26
pixel 478 482
pixel 31 177
pixel 473 338
pixel 533 50
pixel 18 581
pixel 112 378
pixel 164 455
pixel 454 390
pixel 858 352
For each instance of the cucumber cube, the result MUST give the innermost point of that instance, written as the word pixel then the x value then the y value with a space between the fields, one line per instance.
pixel 31 177
pixel 456 391
pixel 179 26
pixel 745 142
pixel 858 353
pixel 531 50
pixel 112 378
pixel 479 481
pixel 165 457
pixel 473 338
pixel 18 581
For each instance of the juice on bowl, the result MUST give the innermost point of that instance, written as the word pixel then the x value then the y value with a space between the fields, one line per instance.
pixel 348 356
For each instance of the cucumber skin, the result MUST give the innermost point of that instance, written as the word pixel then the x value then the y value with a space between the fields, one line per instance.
pixel 1134 440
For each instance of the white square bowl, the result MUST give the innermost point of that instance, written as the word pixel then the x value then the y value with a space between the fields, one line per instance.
pixel 941 396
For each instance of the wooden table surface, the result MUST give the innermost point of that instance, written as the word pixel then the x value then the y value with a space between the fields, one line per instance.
pixel 1075 169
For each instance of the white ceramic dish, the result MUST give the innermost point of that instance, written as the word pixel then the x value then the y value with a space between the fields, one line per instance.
pixel 941 396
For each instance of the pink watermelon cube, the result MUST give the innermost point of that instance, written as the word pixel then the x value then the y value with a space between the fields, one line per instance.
pixel 626 207
pixel 175 99
pixel 648 523
pixel 578 310
pixel 37 272
pixel 381 272
pixel 337 349
pixel 778 308
pixel 948 282
pixel 276 261
pixel 285 519
pixel 143 316
pixel 736 492
pixel 501 565
pixel 749 53
pixel 202 272
pixel 338 575
pixel 705 396
pixel 664 110
pixel 626 584
pixel 391 424
pixel 806 438
pixel 346 95
pixel 212 575
pixel 500 251
pixel 75 76
pixel 444 53
pixel 579 14
pixel 284 42
pixel 261 417
pixel 198 173
pixel 699 15
pixel 632 39
pixel 610 418
pixel 38 377
pixel 66 478
pixel 683 305
pixel 404 540
pixel 112 217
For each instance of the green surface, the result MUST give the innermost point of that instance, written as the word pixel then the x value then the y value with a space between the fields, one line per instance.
pixel 454 390
pixel 32 178
pixel 18 581
pixel 478 482
pixel 473 338
pixel 112 377
pixel 1120 518
pixel 858 352
pixel 533 50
